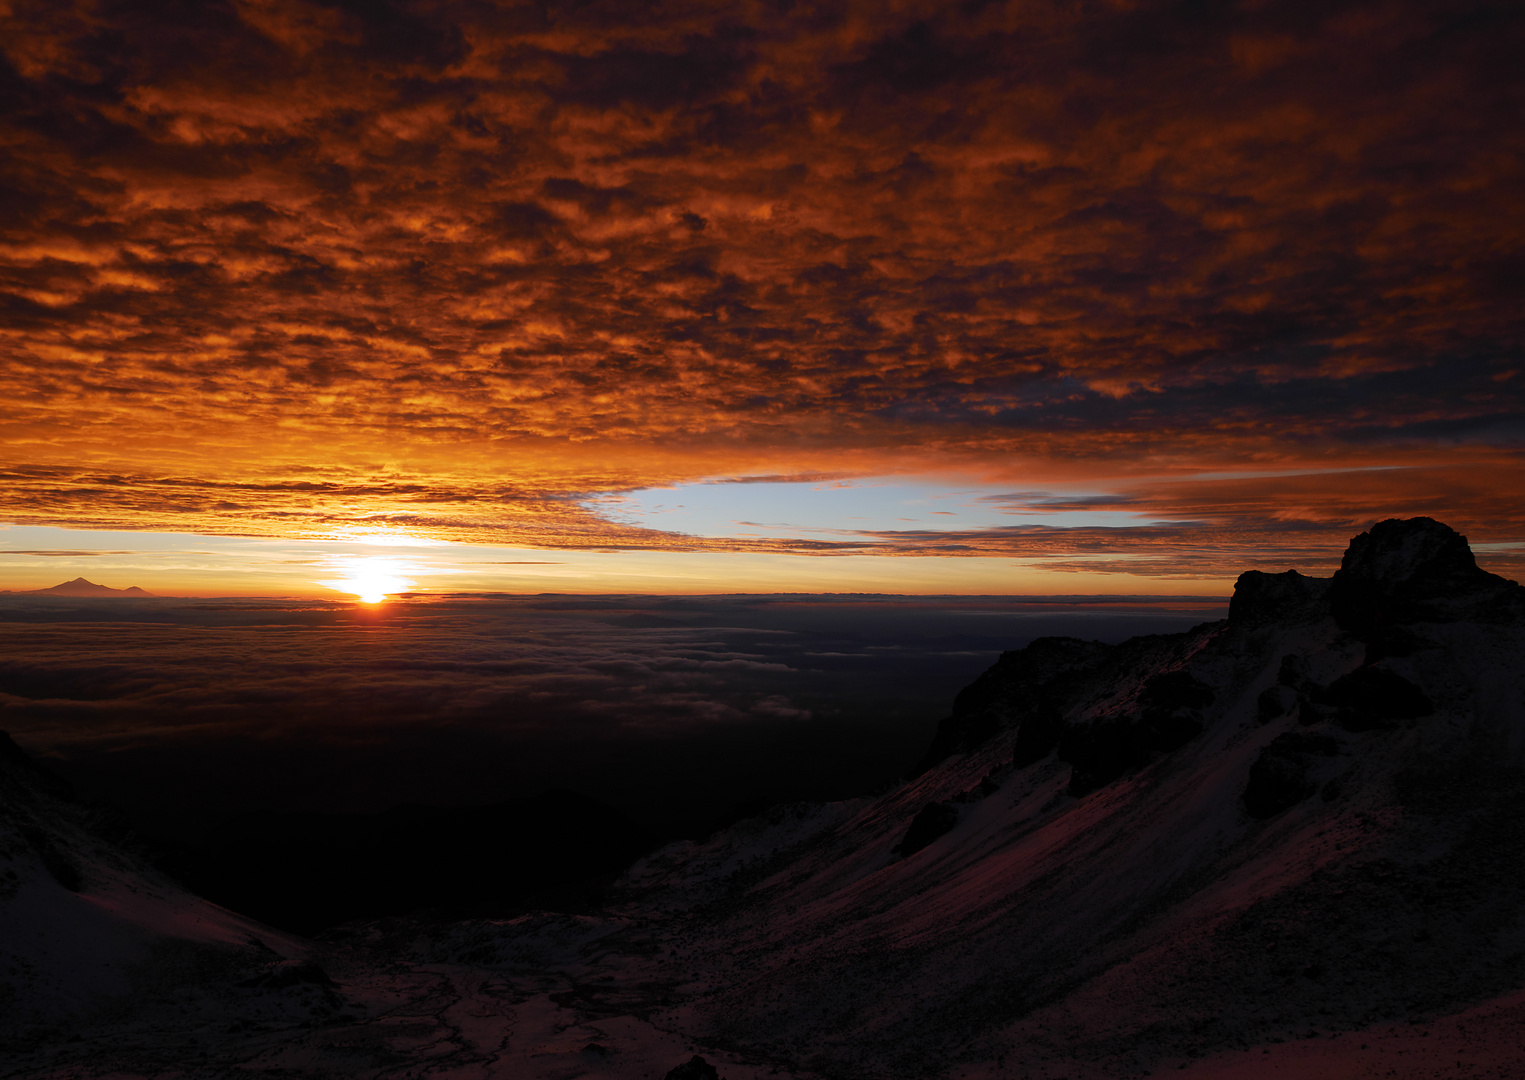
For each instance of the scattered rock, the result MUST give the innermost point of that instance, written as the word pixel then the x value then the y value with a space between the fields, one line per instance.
pixel 1336 786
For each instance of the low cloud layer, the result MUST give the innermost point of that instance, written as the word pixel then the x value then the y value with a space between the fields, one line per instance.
pixel 672 707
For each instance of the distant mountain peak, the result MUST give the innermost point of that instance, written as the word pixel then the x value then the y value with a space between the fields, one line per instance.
pixel 82 587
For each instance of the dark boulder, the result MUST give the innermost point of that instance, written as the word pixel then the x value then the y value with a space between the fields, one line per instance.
pixel 1309 714
pixel 1294 673
pixel 1170 704
pixel 931 821
pixel 1373 698
pixel 1282 776
pixel 695 1068
pixel 290 973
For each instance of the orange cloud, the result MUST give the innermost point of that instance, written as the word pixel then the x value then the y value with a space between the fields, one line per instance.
pixel 279 265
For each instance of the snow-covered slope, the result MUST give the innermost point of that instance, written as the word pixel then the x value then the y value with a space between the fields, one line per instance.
pixel 1303 817
pixel 85 924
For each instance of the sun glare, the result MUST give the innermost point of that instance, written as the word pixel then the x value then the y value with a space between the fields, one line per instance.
pixel 371 580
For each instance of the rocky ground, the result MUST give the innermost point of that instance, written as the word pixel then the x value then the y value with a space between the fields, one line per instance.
pixel 1290 843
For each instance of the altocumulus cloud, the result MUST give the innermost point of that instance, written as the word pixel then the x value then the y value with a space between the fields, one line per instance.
pixel 276 266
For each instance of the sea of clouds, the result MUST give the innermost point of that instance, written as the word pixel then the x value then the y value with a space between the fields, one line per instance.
pixel 678 710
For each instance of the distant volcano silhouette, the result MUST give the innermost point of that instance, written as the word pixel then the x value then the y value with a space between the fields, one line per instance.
pixel 80 587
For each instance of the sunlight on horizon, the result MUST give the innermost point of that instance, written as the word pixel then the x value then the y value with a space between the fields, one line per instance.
pixel 372 580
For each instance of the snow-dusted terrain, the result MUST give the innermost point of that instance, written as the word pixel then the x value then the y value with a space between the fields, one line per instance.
pixel 1287 844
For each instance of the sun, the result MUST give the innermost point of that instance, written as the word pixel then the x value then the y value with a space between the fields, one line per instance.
pixel 371 580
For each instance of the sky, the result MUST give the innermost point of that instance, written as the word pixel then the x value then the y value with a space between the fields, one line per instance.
pixel 1032 297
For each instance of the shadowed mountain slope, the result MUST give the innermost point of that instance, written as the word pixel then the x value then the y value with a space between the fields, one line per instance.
pixel 1305 816
pixel 84 921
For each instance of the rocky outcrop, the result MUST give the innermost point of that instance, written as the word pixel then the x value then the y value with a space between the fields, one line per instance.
pixel 1261 598
pixel 1394 577
pixel 695 1068
pixel 1166 715
pixel 1416 571
pixel 1165 847
pixel 1371 698
pixel 1027 689
pixel 1040 695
